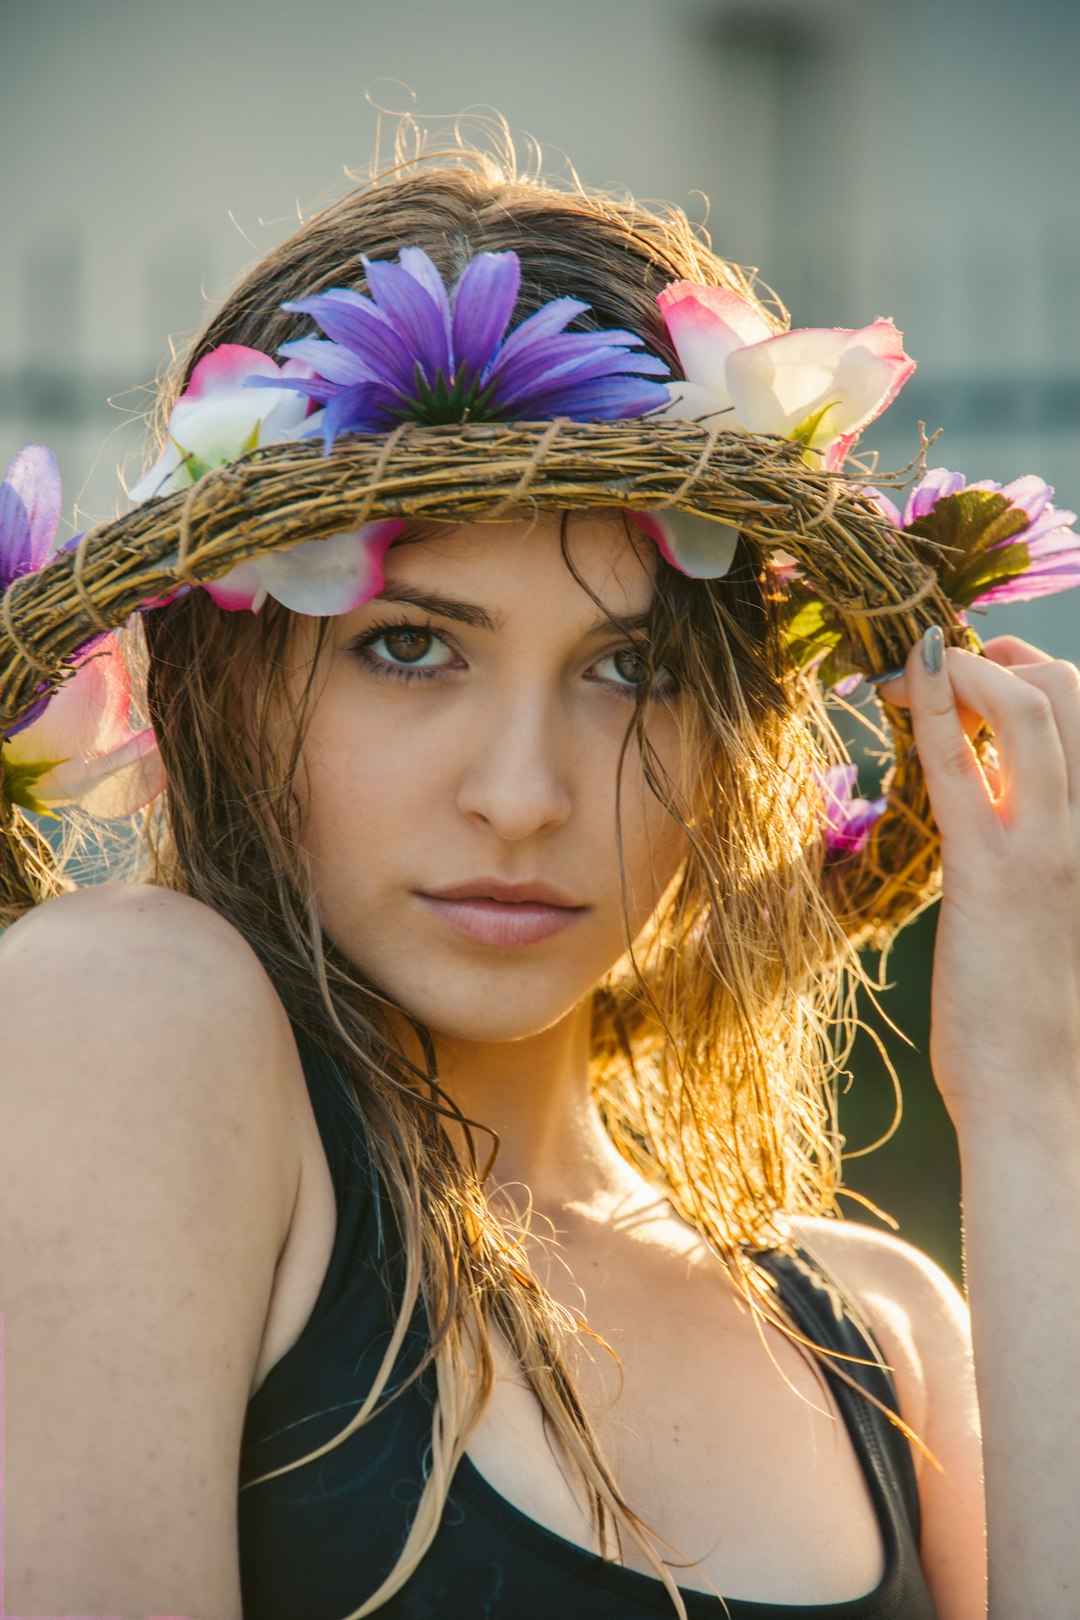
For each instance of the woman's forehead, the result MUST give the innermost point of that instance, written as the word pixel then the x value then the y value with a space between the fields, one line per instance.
pixel 537 553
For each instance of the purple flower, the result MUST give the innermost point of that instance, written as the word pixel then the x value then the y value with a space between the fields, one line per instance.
pixel 1008 546
pixel 29 513
pixel 847 821
pixel 30 499
pixel 414 352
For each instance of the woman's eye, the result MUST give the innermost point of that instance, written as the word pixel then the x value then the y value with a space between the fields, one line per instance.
pixel 631 671
pixel 407 651
pixel 411 644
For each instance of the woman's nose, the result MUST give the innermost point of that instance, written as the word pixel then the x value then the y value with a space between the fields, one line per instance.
pixel 516 767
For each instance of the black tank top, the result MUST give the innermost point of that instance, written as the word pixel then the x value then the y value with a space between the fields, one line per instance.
pixel 316 1542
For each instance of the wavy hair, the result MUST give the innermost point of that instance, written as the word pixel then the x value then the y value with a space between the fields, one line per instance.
pixel 714 1037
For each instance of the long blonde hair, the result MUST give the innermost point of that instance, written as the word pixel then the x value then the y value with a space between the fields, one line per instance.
pixel 713 1040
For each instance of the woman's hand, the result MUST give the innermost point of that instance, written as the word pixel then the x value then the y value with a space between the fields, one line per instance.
pixel 1005 1049
pixel 1005 1027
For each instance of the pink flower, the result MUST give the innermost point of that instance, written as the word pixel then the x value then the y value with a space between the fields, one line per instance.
pixel 1037 557
pixel 218 417
pixel 700 547
pixel 847 821
pixel 819 386
pixel 318 577
pixel 81 749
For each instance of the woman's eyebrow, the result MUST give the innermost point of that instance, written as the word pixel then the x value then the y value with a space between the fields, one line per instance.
pixel 480 619
pixel 446 606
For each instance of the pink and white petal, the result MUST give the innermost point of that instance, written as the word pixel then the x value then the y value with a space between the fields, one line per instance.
pixel 331 576
pixel 706 325
pixel 877 351
pixel 108 785
pixel 692 403
pixel 225 368
pixel 780 385
pixel 160 479
pixel 240 589
pixel 699 547
pixel 834 456
pixel 87 715
pixel 777 384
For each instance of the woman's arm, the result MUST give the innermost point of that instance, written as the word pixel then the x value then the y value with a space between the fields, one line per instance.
pixel 147 1177
pixel 1005 1050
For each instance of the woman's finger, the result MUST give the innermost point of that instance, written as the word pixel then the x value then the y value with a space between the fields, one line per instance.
pixel 1060 682
pixel 1033 787
pixel 1011 651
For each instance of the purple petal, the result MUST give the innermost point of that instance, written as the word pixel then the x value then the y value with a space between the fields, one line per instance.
pixel 585 352
pixel 884 505
pixel 367 408
pixel 330 360
pixel 608 399
pixel 414 313
pixel 313 387
pixel 847 821
pixel 484 300
pixel 937 483
pixel 544 323
pixel 30 500
pixel 1038 581
pixel 1050 531
pixel 422 269
pixel 365 330
pixel 1029 493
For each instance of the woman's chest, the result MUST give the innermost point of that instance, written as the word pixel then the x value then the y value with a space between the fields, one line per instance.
pixel 719 1434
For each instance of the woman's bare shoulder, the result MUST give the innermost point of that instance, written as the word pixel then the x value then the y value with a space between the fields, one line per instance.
pixel 148 1174
pixel 913 1306
pixel 140 961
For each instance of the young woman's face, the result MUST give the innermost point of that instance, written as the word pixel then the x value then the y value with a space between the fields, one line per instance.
pixel 460 767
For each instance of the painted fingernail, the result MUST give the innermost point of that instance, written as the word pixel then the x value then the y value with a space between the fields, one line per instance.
pixel 933 649
pixel 889 675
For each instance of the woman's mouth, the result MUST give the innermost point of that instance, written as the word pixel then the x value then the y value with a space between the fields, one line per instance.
pixel 493 919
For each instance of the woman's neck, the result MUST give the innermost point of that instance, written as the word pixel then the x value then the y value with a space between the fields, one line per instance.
pixel 535 1094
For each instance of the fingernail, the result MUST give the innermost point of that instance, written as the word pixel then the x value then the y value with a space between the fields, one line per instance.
pixel 889 675
pixel 933 649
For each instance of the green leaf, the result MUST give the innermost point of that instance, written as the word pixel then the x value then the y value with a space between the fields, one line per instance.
pixel 193 465
pixel 810 631
pixel 977 531
pixel 20 781
pixel 805 431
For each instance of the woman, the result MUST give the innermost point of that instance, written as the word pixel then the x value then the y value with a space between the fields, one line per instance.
pixel 457 1074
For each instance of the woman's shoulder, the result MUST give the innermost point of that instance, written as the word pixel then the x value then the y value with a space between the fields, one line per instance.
pixel 148 1175
pixel 107 921
pixel 913 1308
pixel 142 1001
pixel 920 1322
pixel 141 955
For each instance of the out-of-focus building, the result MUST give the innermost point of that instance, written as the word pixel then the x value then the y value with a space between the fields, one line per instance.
pixel 870 156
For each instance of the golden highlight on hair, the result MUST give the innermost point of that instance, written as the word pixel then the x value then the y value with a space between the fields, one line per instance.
pixel 713 1039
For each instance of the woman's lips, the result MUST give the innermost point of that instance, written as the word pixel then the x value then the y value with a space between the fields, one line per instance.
pixel 503 922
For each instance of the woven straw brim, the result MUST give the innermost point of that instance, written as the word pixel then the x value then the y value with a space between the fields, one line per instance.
pixel 883 593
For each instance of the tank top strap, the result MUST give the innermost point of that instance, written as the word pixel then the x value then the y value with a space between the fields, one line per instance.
pixel 828 1315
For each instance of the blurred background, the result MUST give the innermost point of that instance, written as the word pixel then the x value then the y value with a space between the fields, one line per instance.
pixel 872 157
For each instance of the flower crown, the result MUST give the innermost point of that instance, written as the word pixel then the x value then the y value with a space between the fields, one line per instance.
pixel 414 351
